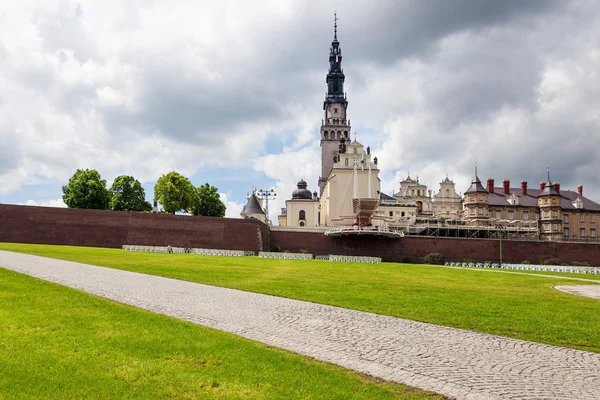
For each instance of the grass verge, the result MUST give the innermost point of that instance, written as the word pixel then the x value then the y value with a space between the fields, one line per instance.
pixel 519 306
pixel 56 342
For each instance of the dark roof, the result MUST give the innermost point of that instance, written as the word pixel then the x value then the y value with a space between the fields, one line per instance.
pixel 567 197
pixel 252 206
pixel 548 190
pixel 383 196
pixel 476 187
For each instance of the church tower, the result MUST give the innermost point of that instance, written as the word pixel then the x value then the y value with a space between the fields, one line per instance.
pixel 334 127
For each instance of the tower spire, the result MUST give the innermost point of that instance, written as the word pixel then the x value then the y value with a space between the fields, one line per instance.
pixel 335 20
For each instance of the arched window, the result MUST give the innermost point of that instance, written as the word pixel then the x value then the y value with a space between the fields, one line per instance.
pixel 346 162
pixel 301 223
pixel 326 135
pixel 339 134
pixel 302 215
pixel 345 134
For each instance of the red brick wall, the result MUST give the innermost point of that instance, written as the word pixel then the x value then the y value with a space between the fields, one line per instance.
pixel 453 249
pixel 25 224
pixel 99 228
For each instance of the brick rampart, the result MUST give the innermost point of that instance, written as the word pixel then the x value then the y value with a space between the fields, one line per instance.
pixel 45 225
pixel 453 249
pixel 99 228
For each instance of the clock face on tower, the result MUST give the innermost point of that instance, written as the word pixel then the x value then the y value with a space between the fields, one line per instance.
pixel 336 111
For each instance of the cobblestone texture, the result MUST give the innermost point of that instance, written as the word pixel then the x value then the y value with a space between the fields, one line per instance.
pixel 454 362
pixel 592 291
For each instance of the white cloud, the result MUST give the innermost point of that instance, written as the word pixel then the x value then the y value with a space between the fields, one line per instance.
pixel 233 209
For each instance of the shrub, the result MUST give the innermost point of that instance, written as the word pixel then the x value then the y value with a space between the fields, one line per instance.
pixel 467 260
pixel 433 258
pixel 303 251
pixel 580 263
pixel 525 262
pixel 407 260
pixel 552 261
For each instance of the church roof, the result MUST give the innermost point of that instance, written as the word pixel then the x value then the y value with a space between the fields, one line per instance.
pixel 252 206
pixel 385 197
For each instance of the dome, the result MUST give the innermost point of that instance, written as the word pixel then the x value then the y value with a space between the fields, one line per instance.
pixel 302 192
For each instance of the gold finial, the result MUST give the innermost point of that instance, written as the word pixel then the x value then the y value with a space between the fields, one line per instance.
pixel 355 133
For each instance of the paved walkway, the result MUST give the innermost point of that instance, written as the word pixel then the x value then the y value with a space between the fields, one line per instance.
pixel 458 363
pixel 592 291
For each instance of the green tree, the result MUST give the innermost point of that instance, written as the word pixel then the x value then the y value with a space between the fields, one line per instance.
pixel 175 193
pixel 127 194
pixel 86 189
pixel 208 202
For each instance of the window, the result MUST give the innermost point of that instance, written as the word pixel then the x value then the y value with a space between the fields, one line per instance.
pixel 546 214
pixel 566 231
pixel 511 215
pixel 472 198
pixel 302 214
pixel 472 211
pixel 355 150
pixel 592 218
pixel 447 192
pixel 582 218
pixel 554 227
pixel 592 233
pixel 346 161
pixel 498 215
pixel 326 134
pixel 566 218
pixel 391 213
pixel 402 213
pixel 545 201
pixel 480 198
pixel 526 215
pixel 301 223
pixel 537 216
pixel 418 192
pixel 582 233
pixel 546 227
pixel 335 110
pixel 555 214
pixel 480 211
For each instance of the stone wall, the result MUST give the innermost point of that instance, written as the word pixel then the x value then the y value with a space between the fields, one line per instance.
pixel 99 228
pixel 453 249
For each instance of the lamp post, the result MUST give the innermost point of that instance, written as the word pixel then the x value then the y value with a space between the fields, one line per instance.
pixel 267 195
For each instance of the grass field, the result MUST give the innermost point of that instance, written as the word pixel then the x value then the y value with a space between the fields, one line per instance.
pixel 58 343
pixel 520 306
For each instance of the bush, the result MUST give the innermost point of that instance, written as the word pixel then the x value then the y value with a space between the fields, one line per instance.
pixel 303 251
pixel 433 258
pixel 580 263
pixel 552 261
pixel 407 260
pixel 525 262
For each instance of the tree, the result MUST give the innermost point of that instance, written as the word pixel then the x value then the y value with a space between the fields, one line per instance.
pixel 208 202
pixel 175 193
pixel 86 189
pixel 127 194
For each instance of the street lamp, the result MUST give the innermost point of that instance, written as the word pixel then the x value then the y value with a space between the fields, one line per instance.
pixel 267 195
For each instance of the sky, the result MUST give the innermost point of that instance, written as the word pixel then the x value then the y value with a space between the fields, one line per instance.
pixel 231 92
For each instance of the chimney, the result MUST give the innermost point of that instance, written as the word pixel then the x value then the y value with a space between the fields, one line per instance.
pixel 524 188
pixel 580 190
pixel 506 184
pixel 542 185
pixel 490 185
pixel 557 187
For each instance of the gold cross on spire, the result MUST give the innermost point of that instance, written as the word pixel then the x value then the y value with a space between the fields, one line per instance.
pixel 355 133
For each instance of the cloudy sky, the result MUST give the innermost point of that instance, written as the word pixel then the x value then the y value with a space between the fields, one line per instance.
pixel 231 92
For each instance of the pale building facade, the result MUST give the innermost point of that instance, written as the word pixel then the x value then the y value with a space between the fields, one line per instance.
pixel 413 191
pixel 302 210
pixel 354 175
pixel 447 203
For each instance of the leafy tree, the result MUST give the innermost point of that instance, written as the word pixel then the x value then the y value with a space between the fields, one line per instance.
pixel 175 193
pixel 86 189
pixel 208 202
pixel 127 194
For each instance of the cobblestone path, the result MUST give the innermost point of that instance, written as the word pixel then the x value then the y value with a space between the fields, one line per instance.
pixel 592 291
pixel 454 362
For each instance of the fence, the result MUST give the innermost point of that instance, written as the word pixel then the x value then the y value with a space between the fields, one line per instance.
pixel 285 256
pixel 355 259
pixel 184 250
pixel 530 267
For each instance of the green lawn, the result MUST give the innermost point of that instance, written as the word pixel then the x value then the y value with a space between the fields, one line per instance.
pixel 520 306
pixel 58 343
